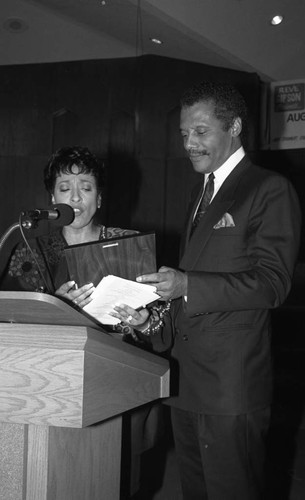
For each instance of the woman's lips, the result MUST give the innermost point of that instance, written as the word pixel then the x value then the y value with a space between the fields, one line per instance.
pixel 77 211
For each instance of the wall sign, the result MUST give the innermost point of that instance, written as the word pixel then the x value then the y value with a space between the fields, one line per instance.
pixel 287 114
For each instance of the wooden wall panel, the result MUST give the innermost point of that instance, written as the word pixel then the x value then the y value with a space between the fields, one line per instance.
pixel 127 112
pixel 21 187
pixel 150 208
pixel 65 128
pixel 123 177
pixel 26 102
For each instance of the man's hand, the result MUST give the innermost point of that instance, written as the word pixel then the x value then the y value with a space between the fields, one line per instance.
pixel 170 283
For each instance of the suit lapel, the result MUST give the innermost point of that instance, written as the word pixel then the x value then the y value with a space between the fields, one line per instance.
pixel 202 233
pixel 221 204
pixel 190 216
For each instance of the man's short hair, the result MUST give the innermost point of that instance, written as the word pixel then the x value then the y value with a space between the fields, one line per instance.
pixel 228 101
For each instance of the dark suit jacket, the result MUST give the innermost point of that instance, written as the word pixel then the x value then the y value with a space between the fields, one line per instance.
pixel 221 350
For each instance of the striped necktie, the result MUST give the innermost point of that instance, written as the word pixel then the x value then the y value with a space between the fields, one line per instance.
pixel 204 202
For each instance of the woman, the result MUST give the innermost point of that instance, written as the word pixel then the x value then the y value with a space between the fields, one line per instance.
pixel 72 176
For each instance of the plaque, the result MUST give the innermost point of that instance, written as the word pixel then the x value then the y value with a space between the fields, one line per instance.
pixel 126 257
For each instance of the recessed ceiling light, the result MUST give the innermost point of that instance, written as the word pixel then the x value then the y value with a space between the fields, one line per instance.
pixel 276 20
pixel 15 25
pixel 156 40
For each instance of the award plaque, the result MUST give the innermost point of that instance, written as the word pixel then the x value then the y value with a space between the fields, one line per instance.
pixel 126 257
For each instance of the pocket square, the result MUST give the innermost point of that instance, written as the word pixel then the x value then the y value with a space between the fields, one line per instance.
pixel 225 221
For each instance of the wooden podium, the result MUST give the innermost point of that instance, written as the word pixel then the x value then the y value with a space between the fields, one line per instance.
pixel 64 384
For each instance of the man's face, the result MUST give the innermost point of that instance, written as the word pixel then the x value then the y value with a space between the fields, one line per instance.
pixel 208 145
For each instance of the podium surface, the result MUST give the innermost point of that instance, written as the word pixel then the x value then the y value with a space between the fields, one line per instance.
pixel 64 384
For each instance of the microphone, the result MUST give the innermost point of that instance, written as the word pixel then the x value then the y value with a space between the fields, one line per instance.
pixel 60 214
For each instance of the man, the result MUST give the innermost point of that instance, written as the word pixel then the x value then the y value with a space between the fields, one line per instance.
pixel 236 265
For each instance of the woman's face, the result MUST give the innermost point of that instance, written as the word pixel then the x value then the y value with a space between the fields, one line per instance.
pixel 80 192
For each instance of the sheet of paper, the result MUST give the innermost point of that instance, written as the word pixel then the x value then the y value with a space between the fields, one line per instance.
pixel 112 291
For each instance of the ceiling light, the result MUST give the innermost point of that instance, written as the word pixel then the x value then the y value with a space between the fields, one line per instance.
pixel 156 40
pixel 276 20
pixel 15 25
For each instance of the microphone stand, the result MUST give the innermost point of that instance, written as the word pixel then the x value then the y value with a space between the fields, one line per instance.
pixel 26 223
pixel 7 234
pixel 3 239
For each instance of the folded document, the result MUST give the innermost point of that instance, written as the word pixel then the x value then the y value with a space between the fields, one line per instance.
pixel 112 291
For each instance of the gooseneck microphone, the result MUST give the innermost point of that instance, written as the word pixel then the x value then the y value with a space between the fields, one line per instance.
pixel 60 214
pixel 41 213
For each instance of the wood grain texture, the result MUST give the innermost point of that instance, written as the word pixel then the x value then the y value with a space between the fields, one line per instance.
pixel 37 451
pixel 32 307
pixel 72 376
pixel 59 381
pixel 55 463
pixel 41 386
pixel 112 387
pixel 85 463
pixel 74 388
pixel 126 257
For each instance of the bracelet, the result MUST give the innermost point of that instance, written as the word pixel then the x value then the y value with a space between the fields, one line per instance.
pixel 156 320
pixel 147 329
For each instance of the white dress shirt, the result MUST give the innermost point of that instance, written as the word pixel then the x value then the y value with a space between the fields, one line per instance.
pixel 222 172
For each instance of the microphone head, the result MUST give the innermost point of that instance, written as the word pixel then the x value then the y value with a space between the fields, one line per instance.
pixel 65 214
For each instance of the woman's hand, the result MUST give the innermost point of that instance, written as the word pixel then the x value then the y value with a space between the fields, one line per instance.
pixel 131 317
pixel 80 296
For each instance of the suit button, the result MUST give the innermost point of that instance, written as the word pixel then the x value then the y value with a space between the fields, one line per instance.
pixel 185 337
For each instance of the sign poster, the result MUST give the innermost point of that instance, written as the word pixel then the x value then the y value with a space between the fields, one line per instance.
pixel 287 114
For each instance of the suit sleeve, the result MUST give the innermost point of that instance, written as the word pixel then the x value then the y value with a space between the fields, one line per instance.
pixel 272 224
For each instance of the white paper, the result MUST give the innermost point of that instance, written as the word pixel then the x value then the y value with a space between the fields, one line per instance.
pixel 112 291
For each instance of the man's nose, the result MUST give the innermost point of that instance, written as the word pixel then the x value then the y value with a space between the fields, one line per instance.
pixel 190 142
